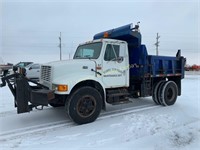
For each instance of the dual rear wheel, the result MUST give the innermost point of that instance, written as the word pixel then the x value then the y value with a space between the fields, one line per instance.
pixel 165 93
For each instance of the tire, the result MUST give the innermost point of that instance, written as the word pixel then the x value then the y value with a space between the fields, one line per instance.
pixel 169 93
pixel 155 95
pixel 84 105
pixel 160 92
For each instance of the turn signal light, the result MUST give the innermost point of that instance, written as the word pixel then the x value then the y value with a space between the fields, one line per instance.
pixel 62 88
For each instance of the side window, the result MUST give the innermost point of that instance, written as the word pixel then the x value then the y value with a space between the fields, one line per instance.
pixel 36 66
pixel 112 52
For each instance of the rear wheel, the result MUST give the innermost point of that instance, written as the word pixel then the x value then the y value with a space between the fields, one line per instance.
pixel 169 93
pixel 84 105
pixel 160 92
pixel 155 94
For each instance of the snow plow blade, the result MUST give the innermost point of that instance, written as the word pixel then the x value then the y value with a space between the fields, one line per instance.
pixel 27 96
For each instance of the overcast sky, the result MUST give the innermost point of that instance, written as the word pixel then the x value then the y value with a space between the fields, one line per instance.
pixel 30 28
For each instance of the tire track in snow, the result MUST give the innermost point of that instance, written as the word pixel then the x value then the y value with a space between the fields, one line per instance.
pixel 9 135
pixel 13 112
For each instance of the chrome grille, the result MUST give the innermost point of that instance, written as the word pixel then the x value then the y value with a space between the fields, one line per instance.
pixel 46 73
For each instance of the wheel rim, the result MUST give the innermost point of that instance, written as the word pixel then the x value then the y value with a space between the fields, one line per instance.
pixel 86 106
pixel 170 94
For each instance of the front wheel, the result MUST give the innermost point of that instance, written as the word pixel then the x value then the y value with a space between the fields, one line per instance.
pixel 84 105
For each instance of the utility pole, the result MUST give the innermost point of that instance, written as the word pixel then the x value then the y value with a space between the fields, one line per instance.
pixel 60 46
pixel 157 43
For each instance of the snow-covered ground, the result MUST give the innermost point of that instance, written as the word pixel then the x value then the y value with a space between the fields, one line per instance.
pixel 137 125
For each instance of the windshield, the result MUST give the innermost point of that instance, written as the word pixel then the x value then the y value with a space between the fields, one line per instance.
pixel 86 51
pixel 23 64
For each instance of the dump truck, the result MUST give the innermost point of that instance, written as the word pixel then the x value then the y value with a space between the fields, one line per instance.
pixel 113 68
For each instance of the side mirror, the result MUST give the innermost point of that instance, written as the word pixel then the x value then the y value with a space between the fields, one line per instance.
pixel 120 59
pixel 30 68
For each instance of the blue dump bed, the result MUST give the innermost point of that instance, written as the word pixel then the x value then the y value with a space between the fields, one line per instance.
pixel 142 64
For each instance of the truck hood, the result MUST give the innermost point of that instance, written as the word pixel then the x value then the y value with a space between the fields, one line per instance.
pixel 73 62
pixel 61 71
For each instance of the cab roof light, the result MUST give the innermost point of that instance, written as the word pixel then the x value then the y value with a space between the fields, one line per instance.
pixel 105 35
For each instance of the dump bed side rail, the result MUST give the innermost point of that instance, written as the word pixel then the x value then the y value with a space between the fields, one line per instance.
pixel 162 66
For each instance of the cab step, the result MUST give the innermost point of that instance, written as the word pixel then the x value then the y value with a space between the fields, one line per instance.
pixel 117 96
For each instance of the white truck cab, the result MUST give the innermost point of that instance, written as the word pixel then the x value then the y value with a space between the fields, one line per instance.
pixel 81 83
pixel 104 61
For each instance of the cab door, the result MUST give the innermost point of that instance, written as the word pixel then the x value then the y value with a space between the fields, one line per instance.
pixel 115 68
